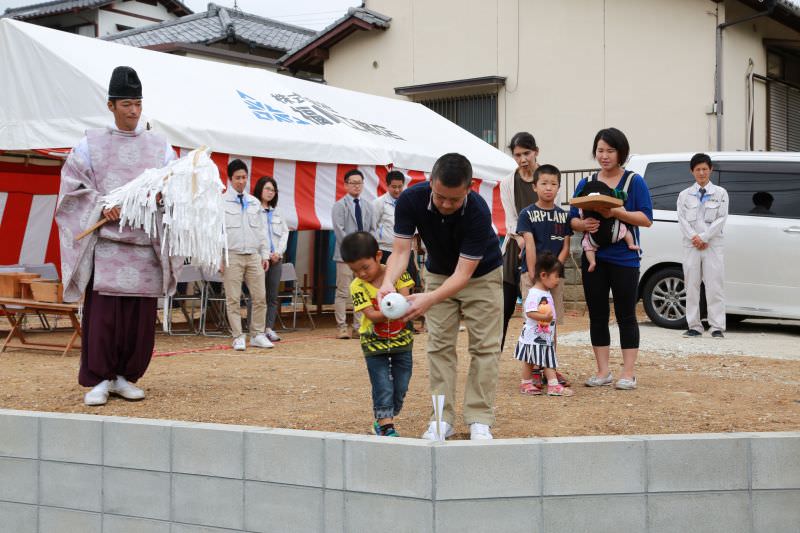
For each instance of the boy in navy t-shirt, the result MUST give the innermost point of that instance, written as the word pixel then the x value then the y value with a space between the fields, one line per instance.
pixel 545 227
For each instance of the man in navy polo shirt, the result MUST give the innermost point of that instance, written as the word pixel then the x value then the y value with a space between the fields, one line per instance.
pixel 463 278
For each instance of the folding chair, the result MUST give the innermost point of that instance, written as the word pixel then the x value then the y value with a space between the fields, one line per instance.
pixel 292 295
pixel 193 275
pixel 214 307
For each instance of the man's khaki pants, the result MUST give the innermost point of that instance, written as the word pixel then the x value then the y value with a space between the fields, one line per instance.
pixel 343 300
pixel 525 285
pixel 481 304
pixel 247 268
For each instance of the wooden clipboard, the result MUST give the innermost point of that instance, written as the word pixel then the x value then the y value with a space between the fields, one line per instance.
pixel 594 201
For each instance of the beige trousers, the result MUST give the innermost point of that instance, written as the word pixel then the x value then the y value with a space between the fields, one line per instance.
pixel 481 305
pixel 707 267
pixel 525 285
pixel 343 300
pixel 247 268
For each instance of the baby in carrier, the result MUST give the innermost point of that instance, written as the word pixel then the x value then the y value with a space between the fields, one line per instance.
pixel 611 230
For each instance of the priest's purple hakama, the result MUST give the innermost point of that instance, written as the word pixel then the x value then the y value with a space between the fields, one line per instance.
pixel 123 273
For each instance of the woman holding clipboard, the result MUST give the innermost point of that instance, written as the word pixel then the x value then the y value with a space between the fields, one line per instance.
pixel 617 265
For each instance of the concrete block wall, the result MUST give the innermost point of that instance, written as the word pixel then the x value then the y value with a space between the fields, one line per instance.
pixel 94 474
pixel 574 300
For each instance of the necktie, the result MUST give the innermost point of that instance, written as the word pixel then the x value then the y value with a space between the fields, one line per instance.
pixel 241 200
pixel 269 230
pixel 359 219
pixel 702 192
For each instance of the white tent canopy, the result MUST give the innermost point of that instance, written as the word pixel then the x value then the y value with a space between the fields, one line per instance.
pixel 53 86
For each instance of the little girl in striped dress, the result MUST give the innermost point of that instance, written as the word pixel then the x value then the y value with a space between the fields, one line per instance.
pixel 537 341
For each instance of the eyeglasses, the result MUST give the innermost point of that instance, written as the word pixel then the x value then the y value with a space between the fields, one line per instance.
pixel 269 189
pixel 358 183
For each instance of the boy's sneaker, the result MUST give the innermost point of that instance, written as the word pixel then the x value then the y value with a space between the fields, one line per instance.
pixel 387 430
pixel 597 381
pixel 260 341
pixel 693 333
pixel 239 344
pixel 430 433
pixel 271 335
pixel 717 334
pixel 478 431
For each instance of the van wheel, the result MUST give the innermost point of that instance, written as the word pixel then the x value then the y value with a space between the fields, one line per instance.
pixel 664 298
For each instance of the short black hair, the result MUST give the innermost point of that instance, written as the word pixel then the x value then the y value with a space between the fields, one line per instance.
pixel 236 164
pixel 615 139
pixel 452 170
pixel 547 263
pixel 550 170
pixel 353 172
pixel 394 175
pixel 358 245
pixel 259 189
pixel 523 139
pixel 700 158
pixel 763 199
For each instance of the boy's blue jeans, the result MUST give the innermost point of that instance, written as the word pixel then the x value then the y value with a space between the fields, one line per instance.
pixel 389 375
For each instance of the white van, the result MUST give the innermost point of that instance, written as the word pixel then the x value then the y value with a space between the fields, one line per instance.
pixel 762 235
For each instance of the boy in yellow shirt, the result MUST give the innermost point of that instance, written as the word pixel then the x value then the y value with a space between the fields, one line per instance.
pixel 386 343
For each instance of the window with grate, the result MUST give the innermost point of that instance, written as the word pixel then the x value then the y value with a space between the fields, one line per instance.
pixel 476 114
pixel 783 102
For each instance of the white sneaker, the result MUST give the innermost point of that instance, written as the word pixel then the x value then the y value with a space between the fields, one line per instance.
pixel 239 344
pixel 430 434
pixel 260 341
pixel 478 431
pixel 98 395
pixel 125 389
pixel 271 335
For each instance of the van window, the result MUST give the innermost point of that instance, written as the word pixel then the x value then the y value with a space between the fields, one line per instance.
pixel 762 188
pixel 666 180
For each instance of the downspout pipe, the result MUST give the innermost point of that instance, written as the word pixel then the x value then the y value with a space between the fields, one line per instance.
pixel 771 4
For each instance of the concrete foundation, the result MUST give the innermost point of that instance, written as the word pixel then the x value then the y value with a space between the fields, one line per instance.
pixel 94 474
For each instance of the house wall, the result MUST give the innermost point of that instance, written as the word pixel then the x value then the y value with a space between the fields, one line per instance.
pixel 69 20
pixel 574 67
pixel 70 473
pixel 741 43
pixel 108 20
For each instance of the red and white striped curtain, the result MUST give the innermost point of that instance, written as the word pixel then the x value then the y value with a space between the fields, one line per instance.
pixel 307 192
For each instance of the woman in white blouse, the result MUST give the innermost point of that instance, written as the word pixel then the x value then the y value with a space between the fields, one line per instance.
pixel 266 190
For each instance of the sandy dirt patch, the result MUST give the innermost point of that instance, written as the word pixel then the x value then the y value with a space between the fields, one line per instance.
pixel 313 381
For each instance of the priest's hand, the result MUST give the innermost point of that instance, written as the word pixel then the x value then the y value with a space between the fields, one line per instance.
pixel 111 214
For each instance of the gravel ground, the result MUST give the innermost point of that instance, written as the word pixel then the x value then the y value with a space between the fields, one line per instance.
pixel 310 380
pixel 755 338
